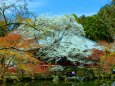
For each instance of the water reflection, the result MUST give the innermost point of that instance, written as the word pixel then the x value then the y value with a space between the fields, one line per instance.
pixel 113 84
pixel 62 83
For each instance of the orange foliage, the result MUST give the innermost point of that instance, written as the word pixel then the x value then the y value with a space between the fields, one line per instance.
pixel 108 57
pixel 23 60
pixel 15 40
pixel 105 44
pixel 9 41
pixel 41 68
pixel 96 54
pixel 111 60
pixel 34 68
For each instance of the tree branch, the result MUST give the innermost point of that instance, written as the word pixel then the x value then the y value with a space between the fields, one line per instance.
pixel 18 23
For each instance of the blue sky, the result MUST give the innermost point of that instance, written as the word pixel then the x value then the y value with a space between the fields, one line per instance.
pixel 61 7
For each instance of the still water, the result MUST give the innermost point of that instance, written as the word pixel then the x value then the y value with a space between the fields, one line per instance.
pixel 62 83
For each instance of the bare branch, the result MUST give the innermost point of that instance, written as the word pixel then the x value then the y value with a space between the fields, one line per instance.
pixel 18 23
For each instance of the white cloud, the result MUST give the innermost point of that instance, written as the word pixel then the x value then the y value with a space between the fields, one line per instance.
pixel 31 4
pixel 36 4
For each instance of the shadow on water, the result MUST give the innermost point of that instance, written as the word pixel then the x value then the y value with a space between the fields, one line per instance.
pixel 61 83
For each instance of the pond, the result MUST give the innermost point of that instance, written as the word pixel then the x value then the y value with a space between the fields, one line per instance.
pixel 62 83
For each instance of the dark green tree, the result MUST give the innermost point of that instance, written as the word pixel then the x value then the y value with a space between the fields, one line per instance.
pixel 107 16
pixel 100 26
pixel 94 28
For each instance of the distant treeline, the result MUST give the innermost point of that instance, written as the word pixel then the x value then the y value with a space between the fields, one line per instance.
pixel 100 26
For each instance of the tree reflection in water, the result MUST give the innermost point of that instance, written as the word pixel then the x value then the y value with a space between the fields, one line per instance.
pixel 62 83
pixel 113 84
